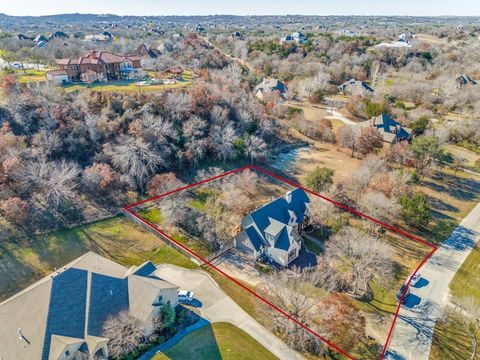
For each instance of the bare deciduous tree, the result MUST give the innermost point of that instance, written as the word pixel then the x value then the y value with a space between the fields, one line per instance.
pixel 55 182
pixel 358 258
pixel 255 148
pixel 125 334
pixel 135 158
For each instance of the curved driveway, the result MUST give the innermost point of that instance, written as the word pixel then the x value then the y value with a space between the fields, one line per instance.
pixel 216 306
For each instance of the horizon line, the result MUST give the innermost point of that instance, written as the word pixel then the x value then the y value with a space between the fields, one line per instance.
pixel 248 15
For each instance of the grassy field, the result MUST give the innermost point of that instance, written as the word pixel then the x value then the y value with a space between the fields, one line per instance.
pixel 451 197
pixel 218 341
pixel 126 86
pixel 31 75
pixel 451 340
pixel 466 282
pixel 117 238
pixel 131 86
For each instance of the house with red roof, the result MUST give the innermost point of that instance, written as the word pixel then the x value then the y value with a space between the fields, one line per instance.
pixel 101 66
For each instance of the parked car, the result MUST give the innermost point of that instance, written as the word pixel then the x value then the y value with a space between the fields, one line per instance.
pixel 185 296
pixel 400 292
pixel 16 65
pixel 415 279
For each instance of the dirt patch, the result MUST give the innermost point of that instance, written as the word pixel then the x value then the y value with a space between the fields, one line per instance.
pixel 323 155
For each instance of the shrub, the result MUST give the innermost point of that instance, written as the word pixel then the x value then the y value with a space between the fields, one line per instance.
pixel 415 210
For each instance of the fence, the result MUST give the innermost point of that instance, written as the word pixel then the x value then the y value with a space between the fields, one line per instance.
pixel 161 237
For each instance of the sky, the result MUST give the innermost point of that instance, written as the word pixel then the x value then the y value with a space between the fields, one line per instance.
pixel 243 7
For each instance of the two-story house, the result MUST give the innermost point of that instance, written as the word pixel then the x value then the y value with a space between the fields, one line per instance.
pixel 275 228
pixel 101 66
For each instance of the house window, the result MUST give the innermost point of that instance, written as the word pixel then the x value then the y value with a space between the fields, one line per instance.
pixel 292 255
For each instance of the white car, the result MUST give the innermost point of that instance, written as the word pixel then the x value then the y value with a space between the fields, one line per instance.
pixel 415 279
pixel 16 65
pixel 185 296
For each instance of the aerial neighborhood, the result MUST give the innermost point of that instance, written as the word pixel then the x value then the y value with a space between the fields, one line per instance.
pixel 239 187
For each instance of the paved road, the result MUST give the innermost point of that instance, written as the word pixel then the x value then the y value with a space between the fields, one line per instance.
pixel 216 306
pixel 335 115
pixel 413 332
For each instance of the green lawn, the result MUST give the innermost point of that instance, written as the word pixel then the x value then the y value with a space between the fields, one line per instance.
pixel 466 282
pixel 128 86
pixel 451 340
pixel 117 238
pixel 31 75
pixel 218 341
pixel 195 245
pixel 153 215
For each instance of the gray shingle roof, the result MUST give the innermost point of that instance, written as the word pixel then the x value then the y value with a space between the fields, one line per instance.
pixel 274 217
pixel 54 310
pixel 66 311
pixel 108 297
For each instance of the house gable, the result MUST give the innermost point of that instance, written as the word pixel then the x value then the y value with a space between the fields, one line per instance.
pixel 272 226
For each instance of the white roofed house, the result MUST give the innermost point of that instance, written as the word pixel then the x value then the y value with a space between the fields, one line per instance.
pixel 61 317
pixel 275 228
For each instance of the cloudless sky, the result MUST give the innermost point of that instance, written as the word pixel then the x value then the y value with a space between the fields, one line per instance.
pixel 243 7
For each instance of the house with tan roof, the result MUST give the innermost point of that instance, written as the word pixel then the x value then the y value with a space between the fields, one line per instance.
pixel 61 317
pixel 101 66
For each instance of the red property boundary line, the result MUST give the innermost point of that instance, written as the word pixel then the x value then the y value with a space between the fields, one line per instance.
pixel 340 205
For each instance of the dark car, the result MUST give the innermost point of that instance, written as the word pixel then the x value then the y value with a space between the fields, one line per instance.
pixel 400 292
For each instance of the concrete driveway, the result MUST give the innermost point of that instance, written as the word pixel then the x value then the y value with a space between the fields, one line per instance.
pixel 216 306
pixel 414 328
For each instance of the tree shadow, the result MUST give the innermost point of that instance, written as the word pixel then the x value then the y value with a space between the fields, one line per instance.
pixel 464 189
pixel 440 205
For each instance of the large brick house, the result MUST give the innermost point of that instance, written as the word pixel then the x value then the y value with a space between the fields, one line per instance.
pixel 101 66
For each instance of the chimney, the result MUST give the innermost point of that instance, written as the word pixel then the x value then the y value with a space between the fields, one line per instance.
pixel 288 197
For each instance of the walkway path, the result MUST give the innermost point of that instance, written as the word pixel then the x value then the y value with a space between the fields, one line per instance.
pixel 216 306
pixel 414 329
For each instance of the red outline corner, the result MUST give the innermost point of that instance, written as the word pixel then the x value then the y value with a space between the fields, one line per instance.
pixel 266 172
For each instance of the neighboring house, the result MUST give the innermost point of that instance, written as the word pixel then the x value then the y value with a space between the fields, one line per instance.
pixel 464 80
pixel 61 317
pixel 353 86
pixel 40 41
pixel 106 65
pixel 148 56
pixel 401 43
pixel 200 29
pixel 297 37
pixel 25 37
pixel 274 229
pixel 57 77
pixel 175 72
pixel 57 35
pixel 103 37
pixel 237 35
pixel 348 32
pixel 390 130
pixel 269 86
